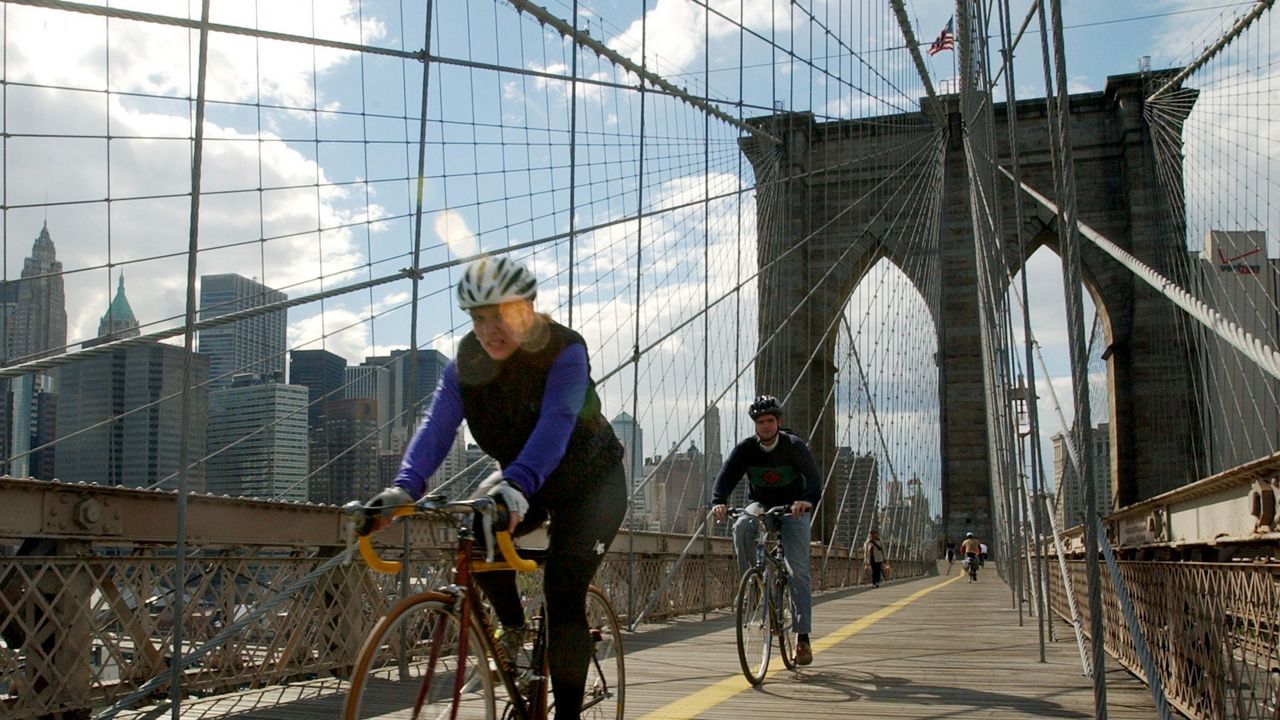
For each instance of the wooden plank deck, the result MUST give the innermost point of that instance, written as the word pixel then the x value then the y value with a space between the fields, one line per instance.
pixel 937 647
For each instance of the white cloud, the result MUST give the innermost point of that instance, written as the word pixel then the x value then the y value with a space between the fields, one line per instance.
pixel 145 169
pixel 68 49
pixel 675 39
pixel 339 330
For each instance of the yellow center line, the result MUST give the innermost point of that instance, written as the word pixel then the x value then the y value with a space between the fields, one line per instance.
pixel 699 702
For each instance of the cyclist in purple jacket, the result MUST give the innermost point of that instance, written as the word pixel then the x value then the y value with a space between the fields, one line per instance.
pixel 523 384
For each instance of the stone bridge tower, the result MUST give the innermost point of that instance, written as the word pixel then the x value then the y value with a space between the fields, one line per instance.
pixel 808 187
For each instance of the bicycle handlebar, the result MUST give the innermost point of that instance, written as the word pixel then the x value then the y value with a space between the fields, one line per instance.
pixel 435 505
pixel 776 511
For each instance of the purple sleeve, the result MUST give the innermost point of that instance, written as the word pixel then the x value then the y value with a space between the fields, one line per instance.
pixel 434 438
pixel 561 401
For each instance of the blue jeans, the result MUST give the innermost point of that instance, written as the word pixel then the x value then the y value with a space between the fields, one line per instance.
pixel 795 549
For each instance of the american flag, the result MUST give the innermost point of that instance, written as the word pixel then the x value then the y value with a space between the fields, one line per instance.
pixel 946 39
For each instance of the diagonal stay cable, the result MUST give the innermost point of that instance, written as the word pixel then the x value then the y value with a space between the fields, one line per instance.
pixel 731 293
pixel 583 39
pixel 1254 348
pixel 747 364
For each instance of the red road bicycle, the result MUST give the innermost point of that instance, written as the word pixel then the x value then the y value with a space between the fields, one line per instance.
pixel 437 654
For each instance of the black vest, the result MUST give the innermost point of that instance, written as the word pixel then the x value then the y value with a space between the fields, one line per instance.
pixel 502 400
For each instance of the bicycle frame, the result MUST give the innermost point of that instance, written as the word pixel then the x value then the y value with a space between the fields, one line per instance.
pixel 528 705
pixel 769 559
pixel 774 579
pixel 535 704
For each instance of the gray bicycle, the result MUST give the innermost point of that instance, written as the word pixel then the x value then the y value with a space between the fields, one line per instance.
pixel 763 604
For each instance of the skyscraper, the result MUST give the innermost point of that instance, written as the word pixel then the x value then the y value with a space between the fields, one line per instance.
pixel 33 324
pixel 632 437
pixel 253 345
pixel 344 456
pixel 120 413
pixel 257 439
pixel 1071 507
pixel 372 382
pixel 100 443
pixel 40 317
pixel 682 489
pixel 857 479
pixel 1241 401
pixel 430 366
pixel 323 373
pixel 118 322
pixel 711 435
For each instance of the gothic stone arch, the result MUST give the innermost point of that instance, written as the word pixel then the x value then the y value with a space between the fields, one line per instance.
pixel 835 184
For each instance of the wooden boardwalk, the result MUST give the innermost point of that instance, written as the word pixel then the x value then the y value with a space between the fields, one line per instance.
pixel 937 647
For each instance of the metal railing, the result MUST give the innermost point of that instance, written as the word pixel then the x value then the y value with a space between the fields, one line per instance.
pixel 1213 628
pixel 85 610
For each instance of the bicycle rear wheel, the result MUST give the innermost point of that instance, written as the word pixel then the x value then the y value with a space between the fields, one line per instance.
pixel 606 677
pixel 752 612
pixel 408 666
pixel 786 615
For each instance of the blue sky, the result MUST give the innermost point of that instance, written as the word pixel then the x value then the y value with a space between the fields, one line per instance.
pixel 326 130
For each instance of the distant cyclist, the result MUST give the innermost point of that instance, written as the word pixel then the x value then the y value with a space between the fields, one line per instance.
pixel 971 550
pixel 523 384
pixel 781 471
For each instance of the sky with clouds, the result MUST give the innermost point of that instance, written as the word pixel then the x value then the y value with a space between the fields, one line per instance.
pixel 310 151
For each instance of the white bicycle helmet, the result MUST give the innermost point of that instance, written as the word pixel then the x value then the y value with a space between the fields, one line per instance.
pixel 493 281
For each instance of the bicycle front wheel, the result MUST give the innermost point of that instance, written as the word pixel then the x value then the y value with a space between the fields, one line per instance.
pixel 606 677
pixel 752 612
pixel 786 620
pixel 409 666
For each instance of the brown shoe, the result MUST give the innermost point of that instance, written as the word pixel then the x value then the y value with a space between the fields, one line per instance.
pixel 804 653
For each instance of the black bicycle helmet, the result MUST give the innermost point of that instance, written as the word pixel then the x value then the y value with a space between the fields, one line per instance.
pixel 765 405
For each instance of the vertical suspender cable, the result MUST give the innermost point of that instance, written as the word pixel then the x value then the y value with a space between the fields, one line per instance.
pixel 1002 318
pixel 706 306
pixel 1011 121
pixel 1079 380
pixel 4 198
pixel 573 152
pixel 1054 161
pixel 188 339
pixel 411 373
pixel 635 350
